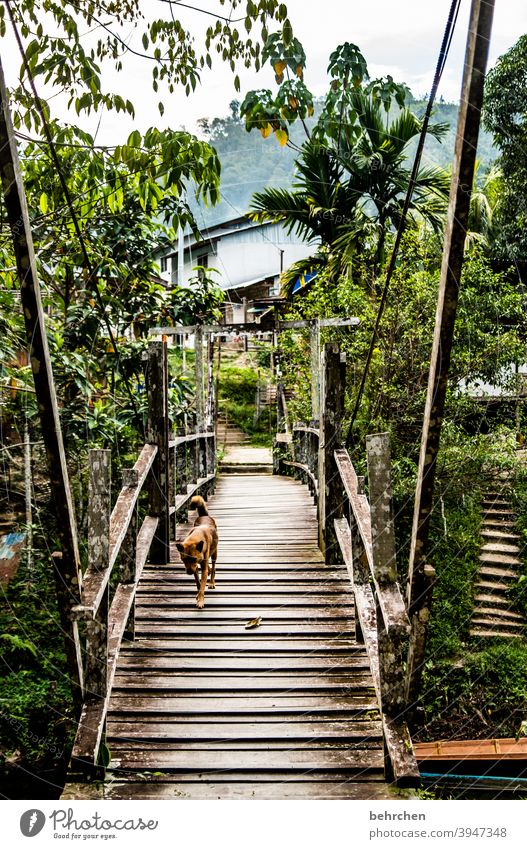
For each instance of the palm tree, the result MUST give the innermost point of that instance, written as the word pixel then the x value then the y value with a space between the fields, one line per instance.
pixel 348 194
pixel 483 203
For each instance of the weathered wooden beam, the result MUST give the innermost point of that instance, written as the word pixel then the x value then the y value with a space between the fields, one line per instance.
pixel 381 510
pixel 402 764
pixel 158 433
pixel 479 32
pixel 128 553
pixel 98 556
pixel 314 347
pixel 66 567
pixel 250 327
pixel 333 383
pixel 199 391
pixel 95 580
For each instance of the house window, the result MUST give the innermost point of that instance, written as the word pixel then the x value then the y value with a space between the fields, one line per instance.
pixel 164 264
pixel 203 261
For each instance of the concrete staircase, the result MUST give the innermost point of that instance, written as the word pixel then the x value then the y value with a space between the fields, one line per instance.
pixel 240 458
pixel 500 568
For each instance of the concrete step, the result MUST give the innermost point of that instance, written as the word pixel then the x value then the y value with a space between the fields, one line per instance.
pixel 487 557
pixel 501 574
pixel 504 536
pixel 490 633
pixel 499 615
pixel 494 586
pixel 496 525
pixel 500 548
pixel 499 599
pixel 495 622
pixel 246 469
pixel 495 513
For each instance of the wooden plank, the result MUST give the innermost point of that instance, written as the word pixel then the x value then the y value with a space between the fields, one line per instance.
pixel 202 628
pixel 249 642
pixel 400 752
pixel 225 662
pixel 187 614
pixel 185 788
pixel 249 731
pixel 287 759
pixel 233 683
pixel 493 749
pixel 361 704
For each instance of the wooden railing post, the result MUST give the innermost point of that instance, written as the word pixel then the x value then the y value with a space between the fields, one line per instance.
pixel 200 385
pixel 333 379
pixel 391 643
pixel 157 433
pixel 129 549
pixel 96 671
pixel 314 344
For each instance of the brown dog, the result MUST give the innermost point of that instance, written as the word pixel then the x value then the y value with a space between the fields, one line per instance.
pixel 200 545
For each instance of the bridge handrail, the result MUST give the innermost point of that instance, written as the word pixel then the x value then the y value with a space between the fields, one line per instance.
pixel 172 468
pixel 360 533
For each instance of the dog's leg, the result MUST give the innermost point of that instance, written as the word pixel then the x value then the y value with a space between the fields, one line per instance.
pixel 200 598
pixel 196 578
pixel 212 582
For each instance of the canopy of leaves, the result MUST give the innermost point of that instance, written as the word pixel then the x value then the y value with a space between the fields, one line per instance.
pixel 505 115
pixel 87 35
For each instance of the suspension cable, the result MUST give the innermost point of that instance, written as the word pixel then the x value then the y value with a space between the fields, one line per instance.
pixel 443 54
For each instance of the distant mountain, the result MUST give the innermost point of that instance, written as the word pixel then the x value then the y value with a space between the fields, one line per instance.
pixel 249 162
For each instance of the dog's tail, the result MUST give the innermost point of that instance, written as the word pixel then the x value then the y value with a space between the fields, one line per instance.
pixel 198 503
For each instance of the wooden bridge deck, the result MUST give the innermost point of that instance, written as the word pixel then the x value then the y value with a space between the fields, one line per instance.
pixel 204 708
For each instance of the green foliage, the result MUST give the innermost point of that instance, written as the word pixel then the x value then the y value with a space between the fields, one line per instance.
pixel 172 52
pixel 505 115
pixel 238 383
pixel 351 174
pixel 36 717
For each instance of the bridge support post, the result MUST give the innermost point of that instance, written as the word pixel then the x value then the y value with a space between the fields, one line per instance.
pixel 314 344
pixel 392 640
pixel 157 433
pixel 129 550
pixel 95 678
pixel 333 382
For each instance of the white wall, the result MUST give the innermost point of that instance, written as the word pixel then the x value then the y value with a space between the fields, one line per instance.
pixel 243 255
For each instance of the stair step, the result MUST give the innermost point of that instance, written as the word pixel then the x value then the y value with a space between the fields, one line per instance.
pixel 496 622
pixel 492 632
pixel 499 573
pixel 246 469
pixel 487 557
pixel 492 585
pixel 501 615
pixel 500 548
pixel 495 525
pixel 500 535
pixel 495 513
pixel 502 600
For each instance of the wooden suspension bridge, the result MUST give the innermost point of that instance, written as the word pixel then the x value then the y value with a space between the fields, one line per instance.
pixel 191 703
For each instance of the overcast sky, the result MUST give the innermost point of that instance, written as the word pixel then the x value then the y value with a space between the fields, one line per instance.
pixel 399 38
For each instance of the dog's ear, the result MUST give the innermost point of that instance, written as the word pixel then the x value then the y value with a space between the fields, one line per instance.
pixel 180 547
pixel 199 545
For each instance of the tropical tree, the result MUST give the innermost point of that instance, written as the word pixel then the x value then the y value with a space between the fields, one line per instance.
pixel 353 174
pixel 505 115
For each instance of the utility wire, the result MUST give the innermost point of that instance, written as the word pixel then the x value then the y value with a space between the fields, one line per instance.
pixel 69 201
pixel 443 54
